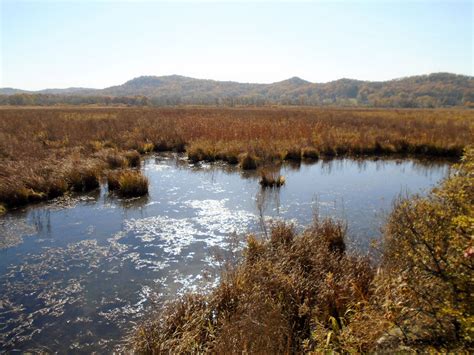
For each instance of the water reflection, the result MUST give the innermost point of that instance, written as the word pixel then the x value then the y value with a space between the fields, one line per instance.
pixel 136 203
pixel 82 269
pixel 41 221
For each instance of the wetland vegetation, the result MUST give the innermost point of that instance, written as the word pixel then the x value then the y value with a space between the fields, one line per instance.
pixel 45 153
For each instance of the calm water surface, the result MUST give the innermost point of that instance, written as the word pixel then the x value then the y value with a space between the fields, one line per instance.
pixel 76 273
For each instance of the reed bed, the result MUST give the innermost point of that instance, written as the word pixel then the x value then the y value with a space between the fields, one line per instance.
pixel 43 149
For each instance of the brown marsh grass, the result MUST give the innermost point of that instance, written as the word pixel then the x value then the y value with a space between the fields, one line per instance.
pixel 127 183
pixel 270 301
pixel 43 149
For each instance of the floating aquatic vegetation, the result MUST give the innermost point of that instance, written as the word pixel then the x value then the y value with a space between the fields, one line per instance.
pixel 13 231
pixel 53 285
pixel 169 233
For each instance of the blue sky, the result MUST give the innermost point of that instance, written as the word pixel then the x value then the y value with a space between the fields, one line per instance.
pixel 103 43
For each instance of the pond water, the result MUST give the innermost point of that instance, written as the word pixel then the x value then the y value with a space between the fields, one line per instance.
pixel 77 273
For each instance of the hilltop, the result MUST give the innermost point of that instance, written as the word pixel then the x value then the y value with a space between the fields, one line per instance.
pixel 432 90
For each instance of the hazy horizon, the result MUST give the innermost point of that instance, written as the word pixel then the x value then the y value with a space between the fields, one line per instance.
pixel 48 44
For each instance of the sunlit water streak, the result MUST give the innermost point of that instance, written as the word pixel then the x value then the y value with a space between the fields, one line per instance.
pixel 76 273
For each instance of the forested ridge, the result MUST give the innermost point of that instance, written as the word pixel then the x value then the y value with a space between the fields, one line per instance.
pixel 423 91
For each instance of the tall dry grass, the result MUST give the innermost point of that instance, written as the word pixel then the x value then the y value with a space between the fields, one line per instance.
pixel 42 149
pixel 286 286
pixel 128 183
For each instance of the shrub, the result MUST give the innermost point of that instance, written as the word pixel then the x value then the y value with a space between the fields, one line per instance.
pixel 282 234
pixel 332 234
pixel 429 250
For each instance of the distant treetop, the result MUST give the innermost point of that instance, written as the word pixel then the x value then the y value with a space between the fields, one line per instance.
pixel 426 91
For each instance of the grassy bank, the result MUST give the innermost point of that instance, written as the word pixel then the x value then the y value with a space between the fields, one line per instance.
pixel 45 152
pixel 304 293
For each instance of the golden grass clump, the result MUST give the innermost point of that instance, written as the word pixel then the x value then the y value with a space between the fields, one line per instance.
pixel 270 178
pixel 83 178
pixel 201 151
pixel 119 159
pixel 128 183
pixel 116 160
pixel 3 209
pixel 15 194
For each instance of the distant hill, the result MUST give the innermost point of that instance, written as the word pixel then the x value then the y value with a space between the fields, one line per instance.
pixel 433 90
pixel 67 91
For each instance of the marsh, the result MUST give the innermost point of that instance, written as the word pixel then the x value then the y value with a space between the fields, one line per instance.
pixel 78 271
